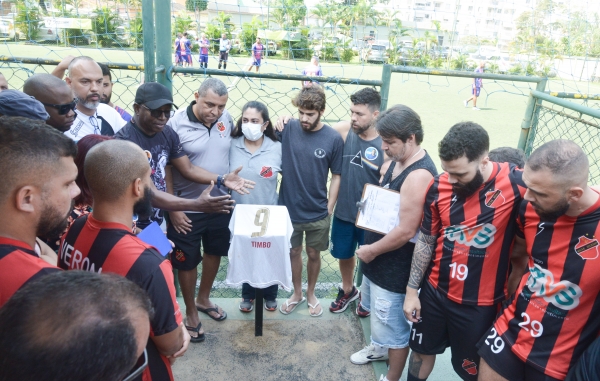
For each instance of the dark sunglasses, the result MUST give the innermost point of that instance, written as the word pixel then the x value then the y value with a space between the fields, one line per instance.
pixel 139 367
pixel 62 109
pixel 157 113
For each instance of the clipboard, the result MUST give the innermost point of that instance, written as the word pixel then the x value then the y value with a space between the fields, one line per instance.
pixel 378 209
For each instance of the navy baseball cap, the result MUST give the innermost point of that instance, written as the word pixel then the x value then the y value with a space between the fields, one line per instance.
pixel 153 95
pixel 17 103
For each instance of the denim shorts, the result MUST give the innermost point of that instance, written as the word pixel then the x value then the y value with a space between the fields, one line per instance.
pixel 345 237
pixel 389 327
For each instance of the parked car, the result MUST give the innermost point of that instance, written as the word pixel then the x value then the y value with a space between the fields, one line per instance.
pixel 378 53
pixel 7 29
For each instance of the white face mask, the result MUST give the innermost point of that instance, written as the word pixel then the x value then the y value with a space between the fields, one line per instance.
pixel 252 131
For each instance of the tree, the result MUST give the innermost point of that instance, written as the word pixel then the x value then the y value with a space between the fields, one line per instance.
pixel 288 13
pixel 28 21
pixel 249 32
pixel 196 5
pixel 104 25
pixel 323 13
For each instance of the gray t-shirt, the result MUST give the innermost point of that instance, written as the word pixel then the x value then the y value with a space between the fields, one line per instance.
pixel 207 147
pixel 307 159
pixel 362 161
pixel 262 167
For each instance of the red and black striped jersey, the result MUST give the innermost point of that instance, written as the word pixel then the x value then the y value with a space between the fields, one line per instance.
pixel 97 246
pixel 19 264
pixel 471 259
pixel 555 313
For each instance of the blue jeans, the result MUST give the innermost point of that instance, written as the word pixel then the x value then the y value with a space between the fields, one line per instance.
pixel 389 327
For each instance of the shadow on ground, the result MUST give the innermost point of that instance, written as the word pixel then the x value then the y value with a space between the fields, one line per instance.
pixel 317 349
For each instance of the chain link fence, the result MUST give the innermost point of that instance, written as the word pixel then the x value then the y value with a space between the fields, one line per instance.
pixel 557 118
pixel 276 91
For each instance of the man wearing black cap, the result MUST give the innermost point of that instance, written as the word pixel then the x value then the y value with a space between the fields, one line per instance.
pixel 147 128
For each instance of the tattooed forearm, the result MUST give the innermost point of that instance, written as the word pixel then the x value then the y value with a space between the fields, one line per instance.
pixel 421 258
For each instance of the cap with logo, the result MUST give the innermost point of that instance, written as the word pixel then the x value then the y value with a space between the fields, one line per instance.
pixel 17 103
pixel 153 95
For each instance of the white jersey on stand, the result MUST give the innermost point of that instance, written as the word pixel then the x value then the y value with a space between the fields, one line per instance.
pixel 259 253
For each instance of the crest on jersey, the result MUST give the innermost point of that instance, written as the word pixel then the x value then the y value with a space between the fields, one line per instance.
pixel 587 248
pixel 320 153
pixel 469 366
pixel 494 198
pixel 266 172
pixel 179 255
pixel 221 126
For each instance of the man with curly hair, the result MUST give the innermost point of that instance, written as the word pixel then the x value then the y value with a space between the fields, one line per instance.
pixel 463 254
pixel 311 149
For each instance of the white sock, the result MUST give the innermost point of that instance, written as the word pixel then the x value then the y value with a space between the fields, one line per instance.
pixel 383 378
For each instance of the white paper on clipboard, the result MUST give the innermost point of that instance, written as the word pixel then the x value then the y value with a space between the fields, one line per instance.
pixel 379 210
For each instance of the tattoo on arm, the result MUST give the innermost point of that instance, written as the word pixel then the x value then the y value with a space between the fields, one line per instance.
pixel 421 258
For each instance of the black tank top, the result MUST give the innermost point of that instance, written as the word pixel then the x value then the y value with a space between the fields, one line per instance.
pixel 391 270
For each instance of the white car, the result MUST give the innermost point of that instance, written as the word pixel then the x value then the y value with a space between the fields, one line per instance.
pixel 7 29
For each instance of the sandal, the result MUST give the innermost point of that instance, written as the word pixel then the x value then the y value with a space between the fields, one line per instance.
pixel 213 309
pixel 287 304
pixel 200 336
pixel 313 307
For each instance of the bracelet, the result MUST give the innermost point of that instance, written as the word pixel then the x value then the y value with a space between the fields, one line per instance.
pixel 219 181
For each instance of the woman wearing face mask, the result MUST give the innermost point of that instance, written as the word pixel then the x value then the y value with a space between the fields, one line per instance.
pixel 256 149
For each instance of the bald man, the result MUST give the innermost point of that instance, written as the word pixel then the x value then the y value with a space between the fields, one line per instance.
pixel 3 82
pixel 57 98
pixel 118 176
pixel 553 316
pixel 92 117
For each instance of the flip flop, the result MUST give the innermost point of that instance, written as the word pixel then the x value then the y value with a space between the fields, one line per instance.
pixel 213 309
pixel 313 307
pixel 287 304
pixel 198 339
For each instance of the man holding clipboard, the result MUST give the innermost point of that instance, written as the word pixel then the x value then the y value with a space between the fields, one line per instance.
pixel 385 259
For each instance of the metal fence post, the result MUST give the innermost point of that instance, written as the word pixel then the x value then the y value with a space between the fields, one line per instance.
pixel 148 34
pixel 163 41
pixel 386 79
pixel 531 114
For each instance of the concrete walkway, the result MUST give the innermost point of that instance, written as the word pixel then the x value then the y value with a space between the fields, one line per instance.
pixel 293 347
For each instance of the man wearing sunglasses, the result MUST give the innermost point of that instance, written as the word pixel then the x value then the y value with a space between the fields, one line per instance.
pixel 57 98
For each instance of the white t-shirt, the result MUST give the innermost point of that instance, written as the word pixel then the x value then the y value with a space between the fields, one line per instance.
pixel 259 253
pixel 105 116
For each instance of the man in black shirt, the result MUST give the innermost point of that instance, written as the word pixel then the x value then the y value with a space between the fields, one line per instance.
pixel 148 128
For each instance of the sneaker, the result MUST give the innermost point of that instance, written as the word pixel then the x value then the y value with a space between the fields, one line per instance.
pixel 361 312
pixel 342 300
pixel 271 305
pixel 247 305
pixel 476 108
pixel 368 354
pixel 466 103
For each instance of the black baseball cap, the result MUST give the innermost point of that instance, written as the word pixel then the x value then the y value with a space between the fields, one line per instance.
pixel 153 95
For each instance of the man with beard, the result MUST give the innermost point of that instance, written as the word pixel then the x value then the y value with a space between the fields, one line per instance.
pixel 107 85
pixel 118 176
pixel 553 316
pixel 36 195
pixel 57 98
pixel 362 159
pixel 385 259
pixel 311 149
pixel 464 249
pixel 92 117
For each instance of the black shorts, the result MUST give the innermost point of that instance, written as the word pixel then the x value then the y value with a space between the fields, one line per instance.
pixel 449 324
pixel 497 354
pixel 223 56
pixel 210 229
